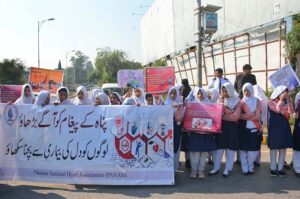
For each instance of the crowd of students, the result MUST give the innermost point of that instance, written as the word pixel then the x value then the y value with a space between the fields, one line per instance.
pixel 242 123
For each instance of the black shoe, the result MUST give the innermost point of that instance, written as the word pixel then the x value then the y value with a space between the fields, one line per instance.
pixel 225 174
pixel 251 172
pixel 187 164
pixel 256 164
pixel 282 174
pixel 273 173
pixel 286 165
pixel 245 173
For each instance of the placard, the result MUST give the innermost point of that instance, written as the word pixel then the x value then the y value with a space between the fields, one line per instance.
pixel 159 79
pixel 203 117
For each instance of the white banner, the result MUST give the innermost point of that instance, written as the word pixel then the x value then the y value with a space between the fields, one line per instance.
pixel 112 145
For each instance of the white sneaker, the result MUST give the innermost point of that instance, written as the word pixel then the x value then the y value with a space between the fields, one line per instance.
pixel 201 175
pixel 193 174
pixel 213 172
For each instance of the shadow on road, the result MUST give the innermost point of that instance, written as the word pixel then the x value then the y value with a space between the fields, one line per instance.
pixel 260 183
pixel 24 191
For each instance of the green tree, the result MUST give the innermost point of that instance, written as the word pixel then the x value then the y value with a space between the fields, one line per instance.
pixel 109 62
pixel 293 39
pixel 80 69
pixel 12 71
pixel 159 62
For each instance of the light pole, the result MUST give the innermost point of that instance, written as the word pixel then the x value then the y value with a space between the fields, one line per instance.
pixel 199 45
pixel 68 52
pixel 40 23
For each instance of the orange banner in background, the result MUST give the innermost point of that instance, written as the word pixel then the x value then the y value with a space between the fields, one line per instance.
pixel 45 79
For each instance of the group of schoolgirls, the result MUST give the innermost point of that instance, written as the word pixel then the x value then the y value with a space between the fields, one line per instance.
pixel 242 131
pixel 241 123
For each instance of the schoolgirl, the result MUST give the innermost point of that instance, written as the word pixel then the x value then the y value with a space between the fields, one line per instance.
pixel 280 138
pixel 199 143
pixel 227 140
pixel 249 129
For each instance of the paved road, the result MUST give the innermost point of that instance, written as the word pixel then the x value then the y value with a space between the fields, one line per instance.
pixel 260 185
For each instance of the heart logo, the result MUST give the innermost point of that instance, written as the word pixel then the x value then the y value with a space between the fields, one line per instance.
pixel 118 122
pixel 155 148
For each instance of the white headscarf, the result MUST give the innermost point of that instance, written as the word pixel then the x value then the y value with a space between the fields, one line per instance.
pixel 297 98
pixel 179 86
pixel 259 93
pixel 233 99
pixel 194 95
pixel 94 94
pixel 129 101
pixel 178 99
pixel 278 91
pixel 66 101
pixel 215 95
pixel 103 98
pixel 25 100
pixel 86 100
pixel 41 98
pixel 139 100
pixel 251 101
pixel 119 98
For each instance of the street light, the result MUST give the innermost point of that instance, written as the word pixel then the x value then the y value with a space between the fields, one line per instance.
pixel 200 11
pixel 68 52
pixel 40 23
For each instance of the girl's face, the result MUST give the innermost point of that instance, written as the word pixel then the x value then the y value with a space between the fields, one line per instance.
pixel 225 93
pixel 200 96
pixel 149 100
pixel 137 92
pixel 173 94
pixel 247 93
pixel 27 92
pixel 209 95
pixel 47 101
pixel 113 99
pixel 80 95
pixel 97 101
pixel 284 95
pixel 63 95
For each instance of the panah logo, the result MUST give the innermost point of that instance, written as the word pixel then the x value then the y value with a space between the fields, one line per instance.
pixel 10 114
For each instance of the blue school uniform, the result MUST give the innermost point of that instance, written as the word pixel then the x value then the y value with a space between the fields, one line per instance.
pixel 228 139
pixel 279 135
pixel 249 139
pixel 296 135
pixel 201 142
pixel 177 135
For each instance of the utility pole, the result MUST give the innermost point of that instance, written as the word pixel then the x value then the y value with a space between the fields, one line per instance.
pixel 199 45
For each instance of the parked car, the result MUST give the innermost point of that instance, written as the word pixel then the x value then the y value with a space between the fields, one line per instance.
pixel 111 87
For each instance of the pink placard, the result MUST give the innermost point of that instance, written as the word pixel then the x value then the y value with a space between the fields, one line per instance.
pixel 203 117
pixel 10 93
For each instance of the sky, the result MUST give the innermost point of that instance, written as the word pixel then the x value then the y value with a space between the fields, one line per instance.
pixel 83 25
